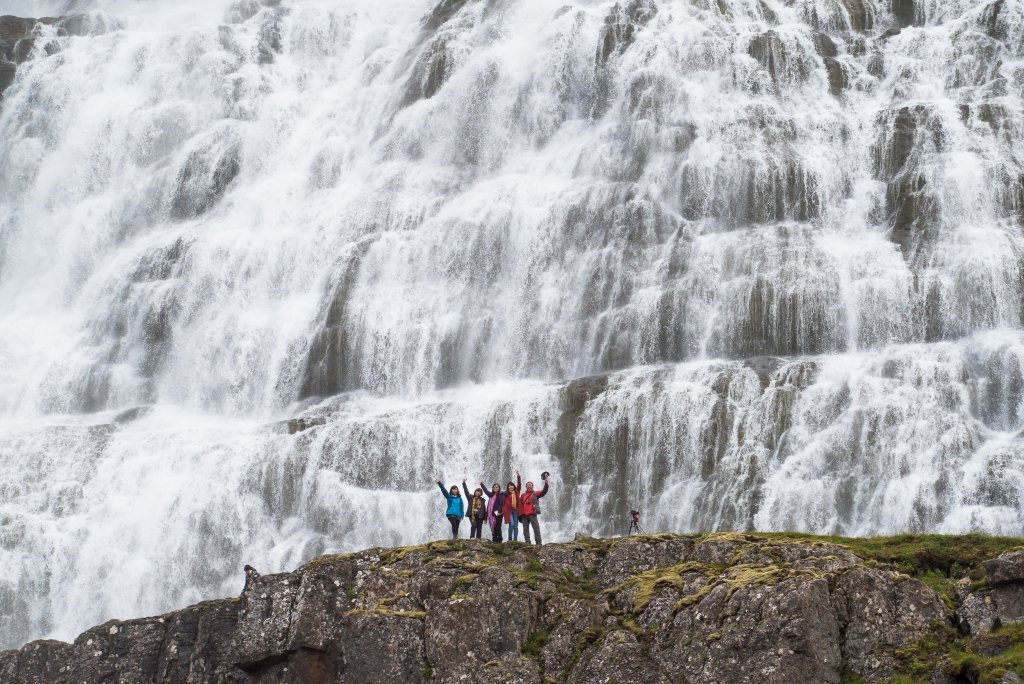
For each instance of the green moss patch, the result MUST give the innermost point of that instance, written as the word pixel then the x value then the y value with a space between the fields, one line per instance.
pixel 916 554
pixel 979 660
pixel 536 643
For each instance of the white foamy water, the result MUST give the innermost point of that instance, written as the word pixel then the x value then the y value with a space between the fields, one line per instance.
pixel 740 265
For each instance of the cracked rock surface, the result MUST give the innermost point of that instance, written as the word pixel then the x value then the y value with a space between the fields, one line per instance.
pixel 696 608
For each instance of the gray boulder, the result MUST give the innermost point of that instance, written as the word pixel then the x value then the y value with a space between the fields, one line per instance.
pixel 1009 567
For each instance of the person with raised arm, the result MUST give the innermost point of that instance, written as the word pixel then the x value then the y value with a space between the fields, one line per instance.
pixel 477 510
pixel 530 509
pixel 456 509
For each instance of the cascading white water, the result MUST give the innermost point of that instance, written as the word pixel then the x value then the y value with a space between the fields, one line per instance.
pixel 266 269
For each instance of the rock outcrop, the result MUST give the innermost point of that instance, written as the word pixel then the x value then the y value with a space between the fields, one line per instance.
pixel 19 37
pixel 699 608
pixel 15 34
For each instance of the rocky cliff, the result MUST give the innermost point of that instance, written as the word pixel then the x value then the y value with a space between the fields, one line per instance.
pixel 699 608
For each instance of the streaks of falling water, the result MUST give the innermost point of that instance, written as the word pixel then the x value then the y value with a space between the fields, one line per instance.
pixel 740 264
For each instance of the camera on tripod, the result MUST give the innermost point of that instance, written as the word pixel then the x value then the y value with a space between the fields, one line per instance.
pixel 634 522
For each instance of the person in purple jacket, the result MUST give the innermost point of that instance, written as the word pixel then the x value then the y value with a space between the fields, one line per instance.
pixel 495 501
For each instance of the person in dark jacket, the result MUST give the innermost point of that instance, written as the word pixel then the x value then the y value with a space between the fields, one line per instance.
pixel 477 513
pixel 530 509
pixel 495 502
pixel 456 509
pixel 250 577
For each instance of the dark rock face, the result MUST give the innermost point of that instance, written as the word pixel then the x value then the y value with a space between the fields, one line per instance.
pixel 14 30
pixel 715 608
pixel 751 631
pixel 908 135
pixel 18 37
pixel 15 35
pixel 188 645
pixel 332 365
pixel 621 26
pixel 1003 602
pixel 785 63
pixel 7 72
pixel 905 12
pixel 865 599
pixel 206 174
pixel 976 614
pixel 838 79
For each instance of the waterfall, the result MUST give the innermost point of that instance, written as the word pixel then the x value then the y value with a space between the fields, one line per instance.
pixel 270 267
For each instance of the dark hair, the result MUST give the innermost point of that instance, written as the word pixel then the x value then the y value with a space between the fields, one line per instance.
pixel 247 568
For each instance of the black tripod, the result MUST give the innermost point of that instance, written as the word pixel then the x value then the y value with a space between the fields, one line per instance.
pixel 634 523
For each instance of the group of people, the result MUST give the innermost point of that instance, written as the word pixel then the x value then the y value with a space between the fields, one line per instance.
pixel 513 507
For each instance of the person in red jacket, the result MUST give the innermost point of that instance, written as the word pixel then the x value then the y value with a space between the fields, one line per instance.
pixel 510 507
pixel 529 509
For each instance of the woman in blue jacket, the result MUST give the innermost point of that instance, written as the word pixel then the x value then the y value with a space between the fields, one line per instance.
pixel 456 508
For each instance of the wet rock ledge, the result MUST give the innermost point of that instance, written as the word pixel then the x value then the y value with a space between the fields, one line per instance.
pixel 18 38
pixel 665 608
